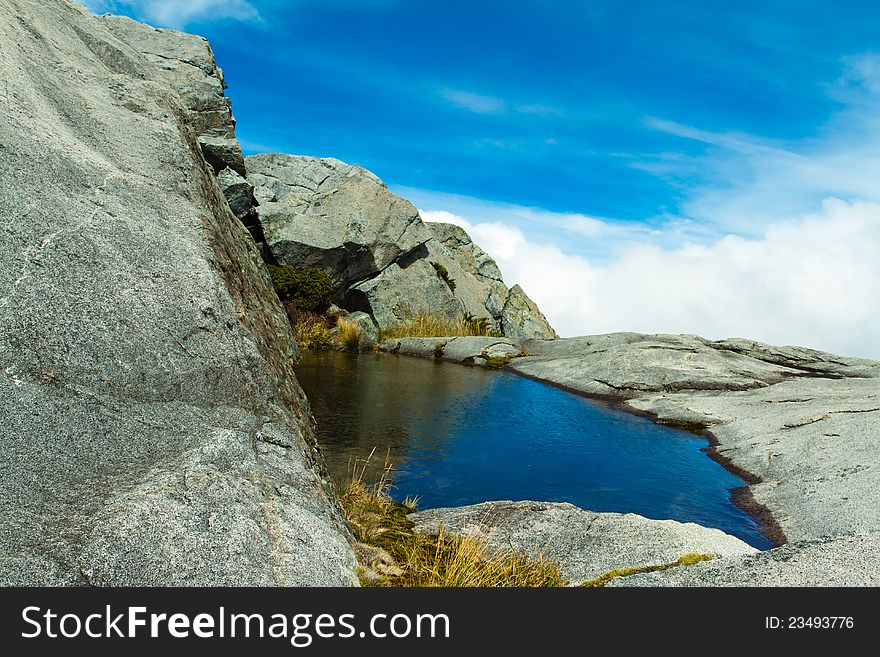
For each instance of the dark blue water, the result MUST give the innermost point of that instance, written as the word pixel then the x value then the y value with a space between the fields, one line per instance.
pixel 460 435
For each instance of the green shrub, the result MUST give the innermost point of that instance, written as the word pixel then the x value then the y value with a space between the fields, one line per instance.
pixel 310 289
pixel 479 326
pixel 443 273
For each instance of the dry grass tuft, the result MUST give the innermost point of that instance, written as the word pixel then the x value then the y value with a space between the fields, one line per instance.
pixel 310 330
pixel 431 560
pixel 349 335
pixel 464 561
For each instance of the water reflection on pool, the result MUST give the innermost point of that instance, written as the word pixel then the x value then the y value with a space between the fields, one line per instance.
pixel 460 435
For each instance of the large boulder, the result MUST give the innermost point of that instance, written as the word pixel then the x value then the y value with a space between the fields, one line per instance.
pixel 383 258
pixel 324 213
pixel 522 320
pixel 460 248
pixel 153 430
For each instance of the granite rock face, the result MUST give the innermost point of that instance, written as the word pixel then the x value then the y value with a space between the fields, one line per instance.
pixel 802 426
pixel 585 544
pixel 383 258
pixel 187 62
pixel 154 432
pixel 521 318
pixel 324 213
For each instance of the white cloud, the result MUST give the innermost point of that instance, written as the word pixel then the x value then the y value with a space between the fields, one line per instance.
pixel 598 238
pixel 813 282
pixel 539 109
pixel 177 13
pixel 862 70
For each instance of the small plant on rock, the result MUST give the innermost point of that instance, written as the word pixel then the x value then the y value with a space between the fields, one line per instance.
pixel 443 273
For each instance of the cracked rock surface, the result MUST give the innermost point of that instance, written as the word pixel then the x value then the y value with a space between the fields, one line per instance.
pixel 153 430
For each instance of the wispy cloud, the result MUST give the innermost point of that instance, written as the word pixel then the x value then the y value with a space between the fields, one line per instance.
pixel 485 104
pixel 862 70
pixel 539 110
pixel 477 103
pixel 177 13
pixel 741 183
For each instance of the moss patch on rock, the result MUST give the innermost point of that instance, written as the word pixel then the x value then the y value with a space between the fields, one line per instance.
pixel 688 559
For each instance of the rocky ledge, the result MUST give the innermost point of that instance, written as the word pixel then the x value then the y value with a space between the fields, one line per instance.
pixel 465 350
pixel 799 425
pixel 585 544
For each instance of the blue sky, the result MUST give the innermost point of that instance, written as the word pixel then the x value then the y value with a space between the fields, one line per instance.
pixel 631 164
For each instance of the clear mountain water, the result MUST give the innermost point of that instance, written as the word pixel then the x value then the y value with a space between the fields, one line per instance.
pixel 460 435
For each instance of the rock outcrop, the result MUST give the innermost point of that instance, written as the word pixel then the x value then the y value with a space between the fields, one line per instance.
pixel 153 430
pixel 382 257
pixel 521 318
pixel 187 62
pixel 802 426
pixel 584 544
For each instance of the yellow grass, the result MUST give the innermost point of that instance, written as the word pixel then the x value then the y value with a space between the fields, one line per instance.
pixel 425 325
pixel 449 560
pixel 311 332
pixel 349 335
pixel 441 559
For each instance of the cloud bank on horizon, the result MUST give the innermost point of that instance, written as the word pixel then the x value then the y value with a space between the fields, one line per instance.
pixel 810 282
pixel 651 167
